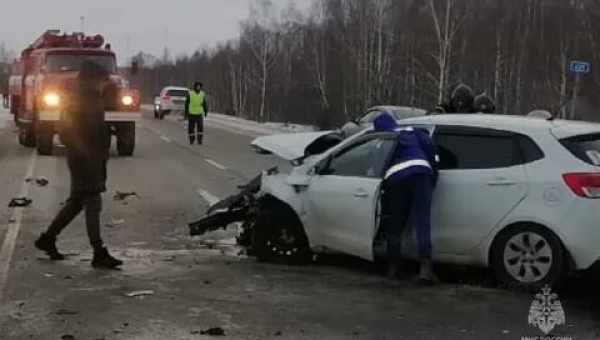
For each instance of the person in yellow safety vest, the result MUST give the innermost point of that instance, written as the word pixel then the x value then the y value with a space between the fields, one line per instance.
pixel 196 109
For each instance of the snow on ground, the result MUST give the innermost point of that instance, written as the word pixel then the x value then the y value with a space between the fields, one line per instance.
pixel 244 126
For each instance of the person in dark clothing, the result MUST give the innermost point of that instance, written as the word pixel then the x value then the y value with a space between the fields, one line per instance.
pixel 196 109
pixel 408 189
pixel 84 133
pixel 483 103
pixel 461 101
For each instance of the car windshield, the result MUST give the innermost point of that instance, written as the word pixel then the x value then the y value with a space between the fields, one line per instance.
pixel 65 63
pixel 177 93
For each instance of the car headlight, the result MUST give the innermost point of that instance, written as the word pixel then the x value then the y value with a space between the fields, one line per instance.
pixel 51 99
pixel 127 100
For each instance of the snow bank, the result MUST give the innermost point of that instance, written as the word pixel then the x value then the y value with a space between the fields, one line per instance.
pixel 244 126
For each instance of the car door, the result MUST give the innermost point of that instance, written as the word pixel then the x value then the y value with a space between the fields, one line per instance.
pixel 482 179
pixel 343 195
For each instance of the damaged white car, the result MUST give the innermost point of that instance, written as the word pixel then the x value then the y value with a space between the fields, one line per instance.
pixel 515 194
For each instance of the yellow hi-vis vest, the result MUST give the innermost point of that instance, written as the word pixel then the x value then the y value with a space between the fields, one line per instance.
pixel 196 106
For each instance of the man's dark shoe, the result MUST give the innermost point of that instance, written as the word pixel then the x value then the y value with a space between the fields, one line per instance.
pixel 102 259
pixel 47 244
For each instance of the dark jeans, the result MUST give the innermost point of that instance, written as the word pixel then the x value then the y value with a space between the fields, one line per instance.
pixel 409 200
pixel 196 127
pixel 92 204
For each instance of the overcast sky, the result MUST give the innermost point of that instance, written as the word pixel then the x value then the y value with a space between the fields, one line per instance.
pixel 130 25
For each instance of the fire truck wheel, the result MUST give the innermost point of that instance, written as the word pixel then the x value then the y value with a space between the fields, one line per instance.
pixel 45 138
pixel 126 139
pixel 26 137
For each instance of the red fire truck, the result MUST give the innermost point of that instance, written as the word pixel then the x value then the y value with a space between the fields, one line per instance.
pixel 46 71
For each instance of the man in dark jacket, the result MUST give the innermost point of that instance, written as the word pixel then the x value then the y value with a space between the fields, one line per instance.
pixel 84 134
pixel 461 101
pixel 408 186
pixel 483 103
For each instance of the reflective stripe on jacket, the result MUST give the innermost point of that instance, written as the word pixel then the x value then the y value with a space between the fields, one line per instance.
pixel 415 154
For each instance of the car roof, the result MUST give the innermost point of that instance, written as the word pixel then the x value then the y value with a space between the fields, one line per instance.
pixel 167 88
pixel 520 124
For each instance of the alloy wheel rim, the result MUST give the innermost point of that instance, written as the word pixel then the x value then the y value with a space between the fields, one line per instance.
pixel 528 257
pixel 283 243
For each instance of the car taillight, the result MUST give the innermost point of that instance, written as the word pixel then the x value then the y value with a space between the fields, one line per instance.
pixel 584 184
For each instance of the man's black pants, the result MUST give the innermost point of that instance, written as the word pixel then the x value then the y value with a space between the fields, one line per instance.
pixel 196 128
pixel 92 204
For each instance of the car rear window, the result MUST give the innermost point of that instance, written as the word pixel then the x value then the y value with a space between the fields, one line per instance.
pixel 461 151
pixel 177 93
pixel 584 147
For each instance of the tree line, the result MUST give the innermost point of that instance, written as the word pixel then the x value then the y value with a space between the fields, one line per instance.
pixel 326 65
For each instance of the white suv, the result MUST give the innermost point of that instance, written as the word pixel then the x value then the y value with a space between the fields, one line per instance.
pixel 170 99
pixel 520 195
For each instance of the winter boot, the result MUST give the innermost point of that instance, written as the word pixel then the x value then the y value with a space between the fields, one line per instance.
pixel 102 259
pixel 426 275
pixel 47 244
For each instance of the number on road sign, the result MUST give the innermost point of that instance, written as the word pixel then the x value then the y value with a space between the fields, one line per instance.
pixel 580 67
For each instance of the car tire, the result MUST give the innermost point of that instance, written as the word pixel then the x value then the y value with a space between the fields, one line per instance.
pixel 278 235
pixel 126 139
pixel 529 256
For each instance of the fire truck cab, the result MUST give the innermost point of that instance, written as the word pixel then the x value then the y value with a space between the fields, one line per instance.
pixel 42 78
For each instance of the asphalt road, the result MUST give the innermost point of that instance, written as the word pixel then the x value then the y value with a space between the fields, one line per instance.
pixel 207 282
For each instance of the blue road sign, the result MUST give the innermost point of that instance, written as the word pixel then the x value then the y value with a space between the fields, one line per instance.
pixel 580 67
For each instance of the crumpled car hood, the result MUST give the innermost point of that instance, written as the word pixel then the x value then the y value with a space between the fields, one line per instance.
pixel 294 146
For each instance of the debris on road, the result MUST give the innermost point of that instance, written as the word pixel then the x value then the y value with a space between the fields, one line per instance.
pixel 67 337
pixel 20 202
pixel 40 181
pixel 215 331
pixel 49 275
pixel 140 293
pixel 123 196
pixel 115 223
pixel 63 311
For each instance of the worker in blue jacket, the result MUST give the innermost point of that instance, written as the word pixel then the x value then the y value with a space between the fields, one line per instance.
pixel 408 188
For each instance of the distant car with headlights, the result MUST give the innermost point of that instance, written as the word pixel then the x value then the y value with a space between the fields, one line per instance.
pixel 170 99
pixel 366 120
pixel 42 78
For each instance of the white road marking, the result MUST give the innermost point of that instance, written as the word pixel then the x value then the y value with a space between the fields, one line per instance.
pixel 215 164
pixel 165 138
pixel 10 240
pixel 208 197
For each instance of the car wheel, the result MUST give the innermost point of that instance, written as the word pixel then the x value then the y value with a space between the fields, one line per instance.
pixel 278 235
pixel 529 257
